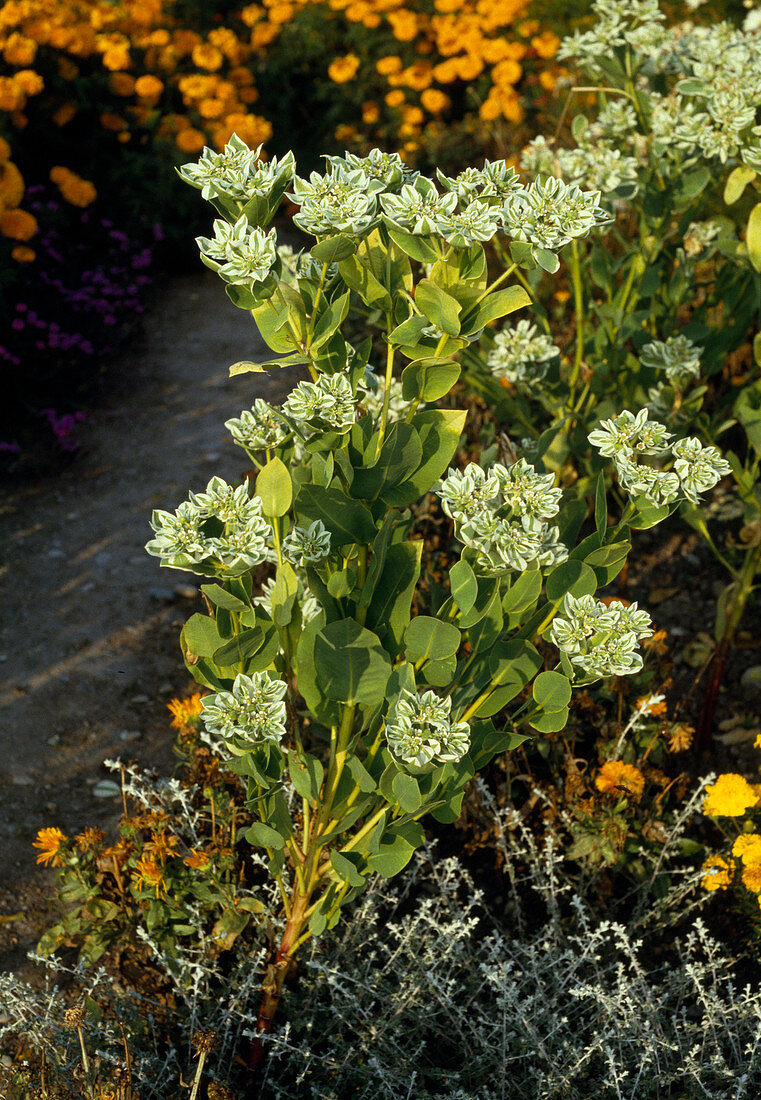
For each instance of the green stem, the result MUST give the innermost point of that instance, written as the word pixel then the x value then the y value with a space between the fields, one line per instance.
pixel 497 282
pixel 387 387
pixel 578 301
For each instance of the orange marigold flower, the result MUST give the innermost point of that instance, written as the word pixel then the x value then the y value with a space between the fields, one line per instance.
pixel 19 50
pixel 18 225
pixel 67 70
pixel 23 255
pixel 507 72
pixel 5 150
pixel 446 72
pixel 729 796
pixel 752 878
pixel 211 108
pixel 11 185
pixel 196 860
pixel 208 57
pixel 251 14
pixel 548 81
pixel 371 20
pixel 435 101
pixel 50 841
pixel 747 847
pixel 64 114
pixel 264 34
pixel 404 25
pixel 370 112
pixel 74 189
pixel 395 98
pixel 469 67
pixel 252 129
pixel 30 82
pixel 718 873
pixel 387 65
pixel 343 69
pixel 615 777
pixel 161 846
pixel 110 121
pixel 116 57
pixel 345 134
pixel 149 86
pixel 281 13
pixel 190 140
pixel 546 44
pixel 183 710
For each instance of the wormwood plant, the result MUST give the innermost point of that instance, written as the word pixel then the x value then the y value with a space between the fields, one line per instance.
pixel 665 307
pixel 350 700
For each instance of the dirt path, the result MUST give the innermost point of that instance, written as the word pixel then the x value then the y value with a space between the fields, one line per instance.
pixel 89 625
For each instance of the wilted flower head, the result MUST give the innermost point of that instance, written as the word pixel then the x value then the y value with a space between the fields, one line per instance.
pixel 420 731
pixel 252 714
pixel 521 354
pixel 307 544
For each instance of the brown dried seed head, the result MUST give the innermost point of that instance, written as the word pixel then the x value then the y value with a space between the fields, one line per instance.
pixel 216 1091
pixel 75 1016
pixel 203 1042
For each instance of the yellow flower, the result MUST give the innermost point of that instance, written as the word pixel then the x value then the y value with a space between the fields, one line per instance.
pixel 149 87
pixel 11 185
pixel 18 225
pixel 404 24
pixel 343 68
pixel 183 710
pixel 548 81
pixel 190 140
pixel 50 841
pixel 89 840
pixel 395 98
pixel 74 189
pixel 729 796
pixel 110 121
pixel 615 777
pixel 388 65
pixel 718 873
pixel 435 100
pixel 208 57
pixel 196 860
pixel 20 50
pixel 752 878
pixel 546 44
pixel 747 847
pixel 5 151
pixel 149 875
pixel 507 72
pixel 30 82
pixel 370 112
pixel 23 255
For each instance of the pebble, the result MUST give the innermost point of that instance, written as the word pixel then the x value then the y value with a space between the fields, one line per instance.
pixel 6 1061
pixel 54 740
pixel 164 594
pixel 166 688
pixel 22 780
pixel 54 553
pixel 130 735
pixel 140 699
pixel 185 591
pixel 751 679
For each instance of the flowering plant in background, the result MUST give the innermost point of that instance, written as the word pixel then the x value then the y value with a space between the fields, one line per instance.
pixel 656 354
pixel 351 700
pixel 733 802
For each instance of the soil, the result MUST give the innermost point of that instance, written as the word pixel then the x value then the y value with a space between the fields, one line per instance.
pixel 89 653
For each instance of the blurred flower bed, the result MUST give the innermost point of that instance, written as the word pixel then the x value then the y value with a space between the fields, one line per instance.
pixel 100 101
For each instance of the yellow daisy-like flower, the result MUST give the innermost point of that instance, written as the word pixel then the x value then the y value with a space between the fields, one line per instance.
pixel 730 796
pixel 343 69
pixel 752 878
pixel 18 225
pixel 149 875
pixel 74 189
pixel 718 873
pixel 23 255
pixel 50 841
pixel 747 847
pixel 196 860
pixel 615 777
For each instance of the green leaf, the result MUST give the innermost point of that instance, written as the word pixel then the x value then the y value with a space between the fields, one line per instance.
pixel 309 678
pixel 284 594
pixel 247 367
pixel 648 514
pixel 407 792
pixel 753 237
pixel 348 520
pixel 440 673
pixel 547 260
pixel 379 551
pixel 264 836
pixel 429 379
pixel 464 585
pixel 601 505
pixel 551 721
pixel 330 320
pixel 737 180
pixel 341 583
pixel 487 586
pixel 440 308
pixel 273 326
pixel 353 665
pixel 357 275
pixel 400 455
pixel 345 869
pixel 306 774
pixel 334 249
pixel 551 691
pixel 427 638
pixel 608 561
pixel 419 248
pixel 439 431
pixel 692 183
pixel 570 576
pixel 360 775
pixel 523 593
pixel 395 849
pixel 273 487
pixel 220 597
pixel 389 609
pixel 512 664
pixel 498 304
pixel 247 643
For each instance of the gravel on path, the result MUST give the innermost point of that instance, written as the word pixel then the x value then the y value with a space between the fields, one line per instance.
pixel 89 627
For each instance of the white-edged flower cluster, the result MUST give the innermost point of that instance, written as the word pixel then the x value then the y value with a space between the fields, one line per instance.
pixel 258 428
pixel 593 164
pixel 601 640
pixel 343 200
pixel 250 715
pixel 521 354
pixel 237 172
pixel 307 545
pixel 327 404
pixel 677 357
pixel 626 437
pixel 222 530
pixel 633 23
pixel 310 607
pixel 239 254
pixel 501 513
pixel 420 731
pixel 549 213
